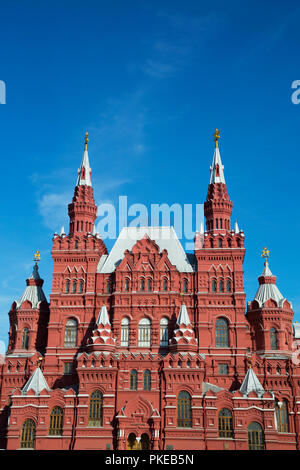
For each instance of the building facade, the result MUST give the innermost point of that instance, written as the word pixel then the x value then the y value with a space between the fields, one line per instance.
pixel 149 347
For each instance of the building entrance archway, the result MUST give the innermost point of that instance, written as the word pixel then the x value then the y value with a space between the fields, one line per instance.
pixel 138 443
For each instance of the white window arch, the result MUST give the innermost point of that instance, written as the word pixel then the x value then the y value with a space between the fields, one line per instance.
pixel 71 333
pixel 125 332
pixel 144 333
pixel 164 332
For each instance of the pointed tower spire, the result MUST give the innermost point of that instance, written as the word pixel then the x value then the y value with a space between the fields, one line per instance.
pixel 217 169
pixel 102 338
pixel 36 382
pixel 217 207
pixel 267 285
pixel 236 227
pixel 84 172
pixel 83 210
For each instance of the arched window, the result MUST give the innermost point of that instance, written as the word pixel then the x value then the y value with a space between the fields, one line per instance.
pixel 221 333
pixel 147 380
pixel 71 333
pixel 80 289
pixel 229 242
pixel 76 244
pixel 144 333
pixel 67 289
pixel 28 434
pixel 213 285
pixel 228 285
pixel 281 411
pixel 133 380
pixel 126 285
pixel 74 287
pixel 107 287
pixel 149 285
pixel 56 422
pixel 273 338
pixel 220 242
pixel 225 423
pixel 25 339
pixel 221 285
pixel 165 284
pixel 255 436
pixel 184 410
pixel 185 285
pixel 164 333
pixel 124 332
pixel 96 409
pixel 142 284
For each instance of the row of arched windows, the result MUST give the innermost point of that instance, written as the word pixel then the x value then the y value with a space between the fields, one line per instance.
pixel 221 286
pixel 146 285
pixel 71 287
pixel 184 417
pixel 144 333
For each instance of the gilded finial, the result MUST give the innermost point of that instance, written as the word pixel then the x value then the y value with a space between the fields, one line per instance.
pixel 216 136
pixel 86 140
pixel 39 361
pixel 265 254
pixel 37 256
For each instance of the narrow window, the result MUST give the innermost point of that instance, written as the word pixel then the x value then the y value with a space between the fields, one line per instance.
pixel 144 339
pixel 74 287
pixel 225 423
pixel 67 289
pixel 147 380
pixel 80 289
pixel 56 422
pixel 184 410
pixel 68 368
pixel 255 436
pixel 221 333
pixel 142 284
pixel 133 380
pixel 164 333
pixel 221 285
pixel 220 243
pixel 281 413
pixel 71 333
pixel 125 332
pixel 126 285
pixel 96 409
pixel 25 339
pixel 228 285
pixel 107 287
pixel 185 285
pixel 273 338
pixel 28 434
pixel 149 285
pixel 165 284
pixel 213 286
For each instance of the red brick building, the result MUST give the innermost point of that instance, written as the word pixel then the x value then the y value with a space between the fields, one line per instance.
pixel 149 347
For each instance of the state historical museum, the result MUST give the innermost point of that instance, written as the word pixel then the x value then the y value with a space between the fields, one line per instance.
pixel 149 347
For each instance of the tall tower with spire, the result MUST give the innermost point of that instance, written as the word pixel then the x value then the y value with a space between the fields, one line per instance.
pixel 83 210
pixel 75 260
pixel 219 280
pixel 217 207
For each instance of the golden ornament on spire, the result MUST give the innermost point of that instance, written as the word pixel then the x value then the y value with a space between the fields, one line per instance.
pixel 216 136
pixel 265 253
pixel 39 361
pixel 86 140
pixel 37 256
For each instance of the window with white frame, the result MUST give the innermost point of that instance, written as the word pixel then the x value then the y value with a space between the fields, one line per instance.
pixel 144 333
pixel 125 332
pixel 164 334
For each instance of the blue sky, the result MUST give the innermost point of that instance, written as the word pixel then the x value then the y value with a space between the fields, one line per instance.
pixel 150 81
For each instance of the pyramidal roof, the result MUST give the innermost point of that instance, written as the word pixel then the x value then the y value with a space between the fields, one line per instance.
pixel 251 383
pixel 217 169
pixel 36 382
pixel 183 316
pixel 103 318
pixel 84 172
pixel 33 291
pixel 164 237
pixel 267 288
